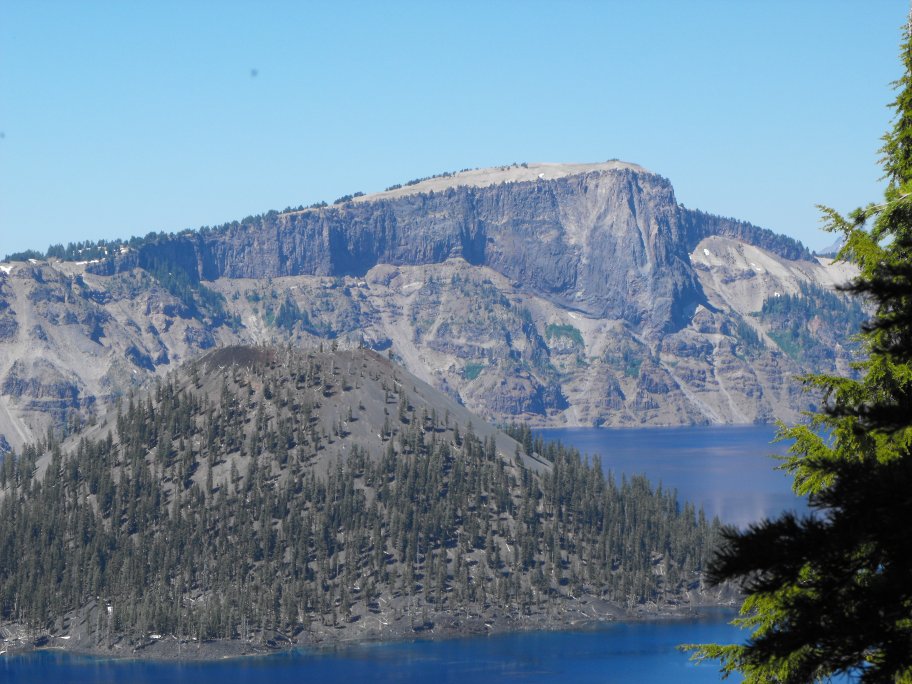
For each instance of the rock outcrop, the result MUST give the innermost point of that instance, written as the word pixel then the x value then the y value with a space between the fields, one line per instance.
pixel 610 243
pixel 558 294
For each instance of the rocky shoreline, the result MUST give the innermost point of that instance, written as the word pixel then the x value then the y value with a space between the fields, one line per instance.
pixel 17 640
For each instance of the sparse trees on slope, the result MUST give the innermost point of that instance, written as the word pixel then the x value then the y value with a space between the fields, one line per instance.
pixel 211 510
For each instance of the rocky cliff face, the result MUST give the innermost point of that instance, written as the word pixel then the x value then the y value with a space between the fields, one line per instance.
pixel 563 295
pixel 609 243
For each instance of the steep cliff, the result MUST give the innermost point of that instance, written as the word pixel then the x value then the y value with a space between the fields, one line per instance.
pixel 560 294
pixel 611 243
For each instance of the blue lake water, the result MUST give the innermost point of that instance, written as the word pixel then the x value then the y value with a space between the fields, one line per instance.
pixel 624 652
pixel 727 470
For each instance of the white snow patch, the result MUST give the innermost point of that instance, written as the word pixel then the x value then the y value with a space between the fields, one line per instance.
pixel 64 637
pixel 707 252
pixel 573 315
pixel 417 283
pixel 6 269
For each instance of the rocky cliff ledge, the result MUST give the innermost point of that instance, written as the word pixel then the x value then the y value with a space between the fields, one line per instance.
pixel 553 293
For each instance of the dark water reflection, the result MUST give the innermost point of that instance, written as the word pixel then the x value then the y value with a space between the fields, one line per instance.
pixel 726 469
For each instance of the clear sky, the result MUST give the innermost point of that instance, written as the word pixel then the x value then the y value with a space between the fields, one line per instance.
pixel 119 118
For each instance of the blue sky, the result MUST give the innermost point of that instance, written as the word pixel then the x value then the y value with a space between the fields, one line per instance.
pixel 122 118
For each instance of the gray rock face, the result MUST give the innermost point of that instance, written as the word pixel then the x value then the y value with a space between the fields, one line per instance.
pixel 611 244
pixel 9 327
pixel 43 388
pixel 588 298
pixel 41 380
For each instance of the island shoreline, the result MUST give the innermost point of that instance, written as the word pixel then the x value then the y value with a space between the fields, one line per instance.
pixel 170 649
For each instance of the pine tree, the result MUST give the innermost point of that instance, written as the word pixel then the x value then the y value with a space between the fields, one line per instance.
pixel 831 593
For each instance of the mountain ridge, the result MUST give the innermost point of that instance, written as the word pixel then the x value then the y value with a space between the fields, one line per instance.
pixel 501 226
pixel 583 299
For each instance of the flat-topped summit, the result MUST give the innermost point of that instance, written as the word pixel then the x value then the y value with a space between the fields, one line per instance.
pixel 572 294
pixel 496 175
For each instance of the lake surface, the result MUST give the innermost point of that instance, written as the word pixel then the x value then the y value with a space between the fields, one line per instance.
pixel 628 652
pixel 727 470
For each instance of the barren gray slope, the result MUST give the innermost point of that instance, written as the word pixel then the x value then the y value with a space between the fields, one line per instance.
pixel 586 297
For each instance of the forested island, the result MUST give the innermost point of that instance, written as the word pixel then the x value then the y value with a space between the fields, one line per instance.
pixel 262 497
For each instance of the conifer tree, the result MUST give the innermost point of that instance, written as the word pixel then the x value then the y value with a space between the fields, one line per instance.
pixel 831 593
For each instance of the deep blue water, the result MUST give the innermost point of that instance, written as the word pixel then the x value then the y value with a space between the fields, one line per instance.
pixel 628 652
pixel 727 470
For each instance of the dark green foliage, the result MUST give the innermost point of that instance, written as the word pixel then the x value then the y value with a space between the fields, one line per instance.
pixel 326 311
pixel 751 344
pixel 627 355
pixel 289 315
pixel 831 594
pixel 472 370
pixel 567 331
pixel 782 245
pixel 415 181
pixel 74 251
pixel 88 250
pixel 24 256
pixel 808 325
pixel 201 302
pixel 84 251
pixel 224 504
pixel 855 575
pixel 348 198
